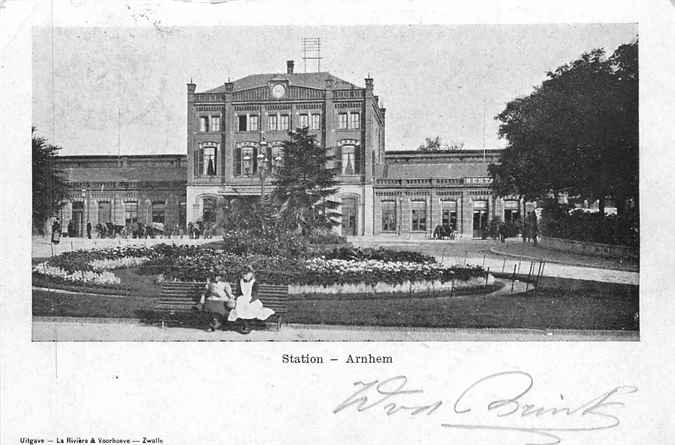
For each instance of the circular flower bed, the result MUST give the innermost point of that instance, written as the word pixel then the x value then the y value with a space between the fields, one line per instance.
pixel 340 270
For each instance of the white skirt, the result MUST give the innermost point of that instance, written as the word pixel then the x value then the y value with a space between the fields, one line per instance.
pixel 247 310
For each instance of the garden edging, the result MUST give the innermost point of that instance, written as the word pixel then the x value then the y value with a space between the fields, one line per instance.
pixel 588 248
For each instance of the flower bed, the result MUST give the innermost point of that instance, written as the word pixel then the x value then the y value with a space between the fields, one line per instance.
pixel 82 276
pixel 374 270
pixel 405 287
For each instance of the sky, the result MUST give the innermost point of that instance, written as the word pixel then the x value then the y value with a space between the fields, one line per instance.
pixel 122 90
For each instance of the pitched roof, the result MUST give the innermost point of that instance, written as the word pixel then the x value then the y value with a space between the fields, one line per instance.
pixel 440 170
pixel 106 174
pixel 309 80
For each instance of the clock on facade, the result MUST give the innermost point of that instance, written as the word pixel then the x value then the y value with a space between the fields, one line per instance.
pixel 278 91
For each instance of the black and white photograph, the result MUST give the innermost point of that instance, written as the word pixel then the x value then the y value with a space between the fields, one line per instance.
pixel 388 183
pixel 261 222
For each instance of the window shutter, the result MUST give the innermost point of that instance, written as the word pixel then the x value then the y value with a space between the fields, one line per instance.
pixel 195 161
pixel 200 162
pixel 215 160
pixel 337 160
pixel 357 159
pixel 237 161
pixel 254 161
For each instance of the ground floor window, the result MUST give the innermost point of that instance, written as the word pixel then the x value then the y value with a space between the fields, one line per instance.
pixel 77 223
pixel 511 212
pixel 104 212
pixel 388 216
pixel 419 215
pixel 349 212
pixel 182 209
pixel 159 212
pixel 449 214
pixel 130 212
pixel 480 218
pixel 209 210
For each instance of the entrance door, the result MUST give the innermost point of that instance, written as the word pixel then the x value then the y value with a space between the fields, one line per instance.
pixel 104 212
pixel 349 212
pixel 78 218
pixel 480 218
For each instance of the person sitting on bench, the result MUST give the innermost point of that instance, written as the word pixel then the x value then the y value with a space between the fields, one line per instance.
pixel 248 306
pixel 217 300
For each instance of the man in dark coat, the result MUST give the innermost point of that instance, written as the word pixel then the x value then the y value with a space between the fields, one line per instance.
pixel 56 232
pixel 88 229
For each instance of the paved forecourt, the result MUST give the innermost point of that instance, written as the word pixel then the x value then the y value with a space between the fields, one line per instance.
pixel 476 252
pixel 80 329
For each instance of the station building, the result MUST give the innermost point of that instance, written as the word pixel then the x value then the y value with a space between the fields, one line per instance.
pixel 235 133
pixel 419 191
pixel 123 190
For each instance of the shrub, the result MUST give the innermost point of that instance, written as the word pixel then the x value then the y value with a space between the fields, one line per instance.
pixel 580 225
pixel 352 253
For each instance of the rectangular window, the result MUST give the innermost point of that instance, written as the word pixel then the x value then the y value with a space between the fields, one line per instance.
pixel 304 120
pixel 204 123
pixel 316 122
pixel 419 216
pixel 253 123
pixel 215 123
pixel 158 212
pixel 388 216
pixel 354 120
pixel 511 211
pixel 273 121
pixel 130 212
pixel 283 122
pixel 342 120
pixel 104 212
pixel 209 210
pixel 247 161
pixel 242 123
pixel 449 214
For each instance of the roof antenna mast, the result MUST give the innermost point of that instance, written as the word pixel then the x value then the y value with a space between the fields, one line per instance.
pixel 311 50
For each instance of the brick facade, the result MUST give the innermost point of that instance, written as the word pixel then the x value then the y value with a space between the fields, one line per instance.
pixel 249 112
pixel 101 185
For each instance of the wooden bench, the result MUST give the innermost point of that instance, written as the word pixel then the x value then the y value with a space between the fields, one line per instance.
pixel 180 298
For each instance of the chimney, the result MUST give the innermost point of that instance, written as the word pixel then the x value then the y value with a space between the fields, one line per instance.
pixel 369 82
pixel 289 66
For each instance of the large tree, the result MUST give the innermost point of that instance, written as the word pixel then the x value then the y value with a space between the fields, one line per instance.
pixel 576 133
pixel 49 186
pixel 304 184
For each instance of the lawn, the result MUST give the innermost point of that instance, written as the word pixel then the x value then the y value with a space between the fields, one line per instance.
pixel 568 305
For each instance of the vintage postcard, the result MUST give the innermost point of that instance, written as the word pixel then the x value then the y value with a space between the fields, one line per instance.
pixel 266 224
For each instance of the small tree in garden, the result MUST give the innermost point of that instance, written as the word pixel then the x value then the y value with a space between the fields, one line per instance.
pixel 49 186
pixel 304 184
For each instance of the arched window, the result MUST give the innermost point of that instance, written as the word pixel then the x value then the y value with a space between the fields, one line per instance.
pixel 206 163
pixel 245 159
pixel 351 160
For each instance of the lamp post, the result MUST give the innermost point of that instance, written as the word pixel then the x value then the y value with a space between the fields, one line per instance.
pixel 262 167
pixel 85 213
pixel 265 166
